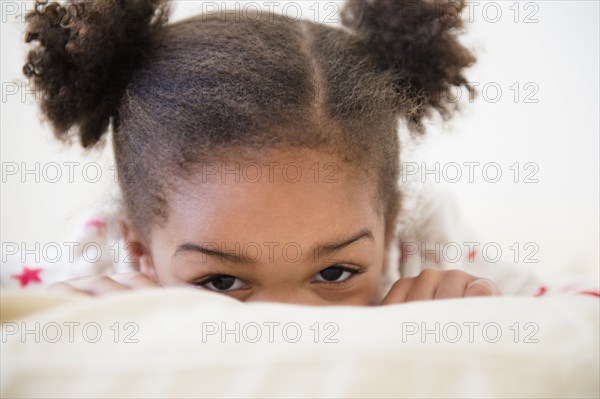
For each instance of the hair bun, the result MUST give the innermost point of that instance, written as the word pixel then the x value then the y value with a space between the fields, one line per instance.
pixel 416 39
pixel 86 54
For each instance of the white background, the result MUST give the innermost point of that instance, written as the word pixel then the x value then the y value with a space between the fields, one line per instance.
pixel 557 52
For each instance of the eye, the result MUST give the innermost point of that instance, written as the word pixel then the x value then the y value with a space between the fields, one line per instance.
pixel 335 274
pixel 221 283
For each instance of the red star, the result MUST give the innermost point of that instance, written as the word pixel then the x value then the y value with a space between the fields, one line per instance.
pixel 98 224
pixel 28 276
pixel 472 254
pixel 592 293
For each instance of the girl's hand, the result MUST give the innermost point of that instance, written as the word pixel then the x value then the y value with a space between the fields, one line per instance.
pixel 98 285
pixel 439 284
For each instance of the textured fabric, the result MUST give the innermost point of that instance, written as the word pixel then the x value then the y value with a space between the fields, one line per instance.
pixel 184 343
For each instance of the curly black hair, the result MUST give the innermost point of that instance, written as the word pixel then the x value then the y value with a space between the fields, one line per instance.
pixel 187 92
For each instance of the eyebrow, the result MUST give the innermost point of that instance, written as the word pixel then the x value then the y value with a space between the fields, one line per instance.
pixel 321 249
pixel 229 256
pixel 331 247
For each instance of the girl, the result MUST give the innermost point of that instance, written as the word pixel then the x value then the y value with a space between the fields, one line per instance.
pixel 257 156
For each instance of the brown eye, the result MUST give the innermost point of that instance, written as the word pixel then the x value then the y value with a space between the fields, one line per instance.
pixel 222 283
pixel 335 274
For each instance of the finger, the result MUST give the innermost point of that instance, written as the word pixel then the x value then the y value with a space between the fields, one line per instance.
pixel 97 285
pixel 453 285
pixel 135 280
pixel 425 285
pixel 482 287
pixel 399 291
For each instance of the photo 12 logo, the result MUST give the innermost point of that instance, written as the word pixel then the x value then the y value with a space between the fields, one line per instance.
pixel 469 331
pixel 69 332
pixel 269 331
pixel 468 252
pixel 470 172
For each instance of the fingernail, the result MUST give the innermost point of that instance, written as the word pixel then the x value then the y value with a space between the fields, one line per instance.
pixel 480 287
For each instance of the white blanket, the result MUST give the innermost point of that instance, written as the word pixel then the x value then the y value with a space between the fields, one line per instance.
pixel 186 343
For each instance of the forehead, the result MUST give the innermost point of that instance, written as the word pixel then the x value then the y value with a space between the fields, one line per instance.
pixel 280 195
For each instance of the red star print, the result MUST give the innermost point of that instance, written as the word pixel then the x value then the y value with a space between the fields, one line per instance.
pixel 472 254
pixel 98 224
pixel 27 276
pixel 592 293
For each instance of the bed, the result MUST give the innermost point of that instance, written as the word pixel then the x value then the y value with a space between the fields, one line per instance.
pixel 180 342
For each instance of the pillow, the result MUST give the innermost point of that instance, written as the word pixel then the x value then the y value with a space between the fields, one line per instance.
pixel 181 342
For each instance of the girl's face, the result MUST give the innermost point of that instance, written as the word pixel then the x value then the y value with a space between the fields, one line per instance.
pixel 296 226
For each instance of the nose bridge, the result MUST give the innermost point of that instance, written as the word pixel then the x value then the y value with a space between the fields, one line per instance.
pixel 272 294
pixel 281 293
pixel 281 275
pixel 280 268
